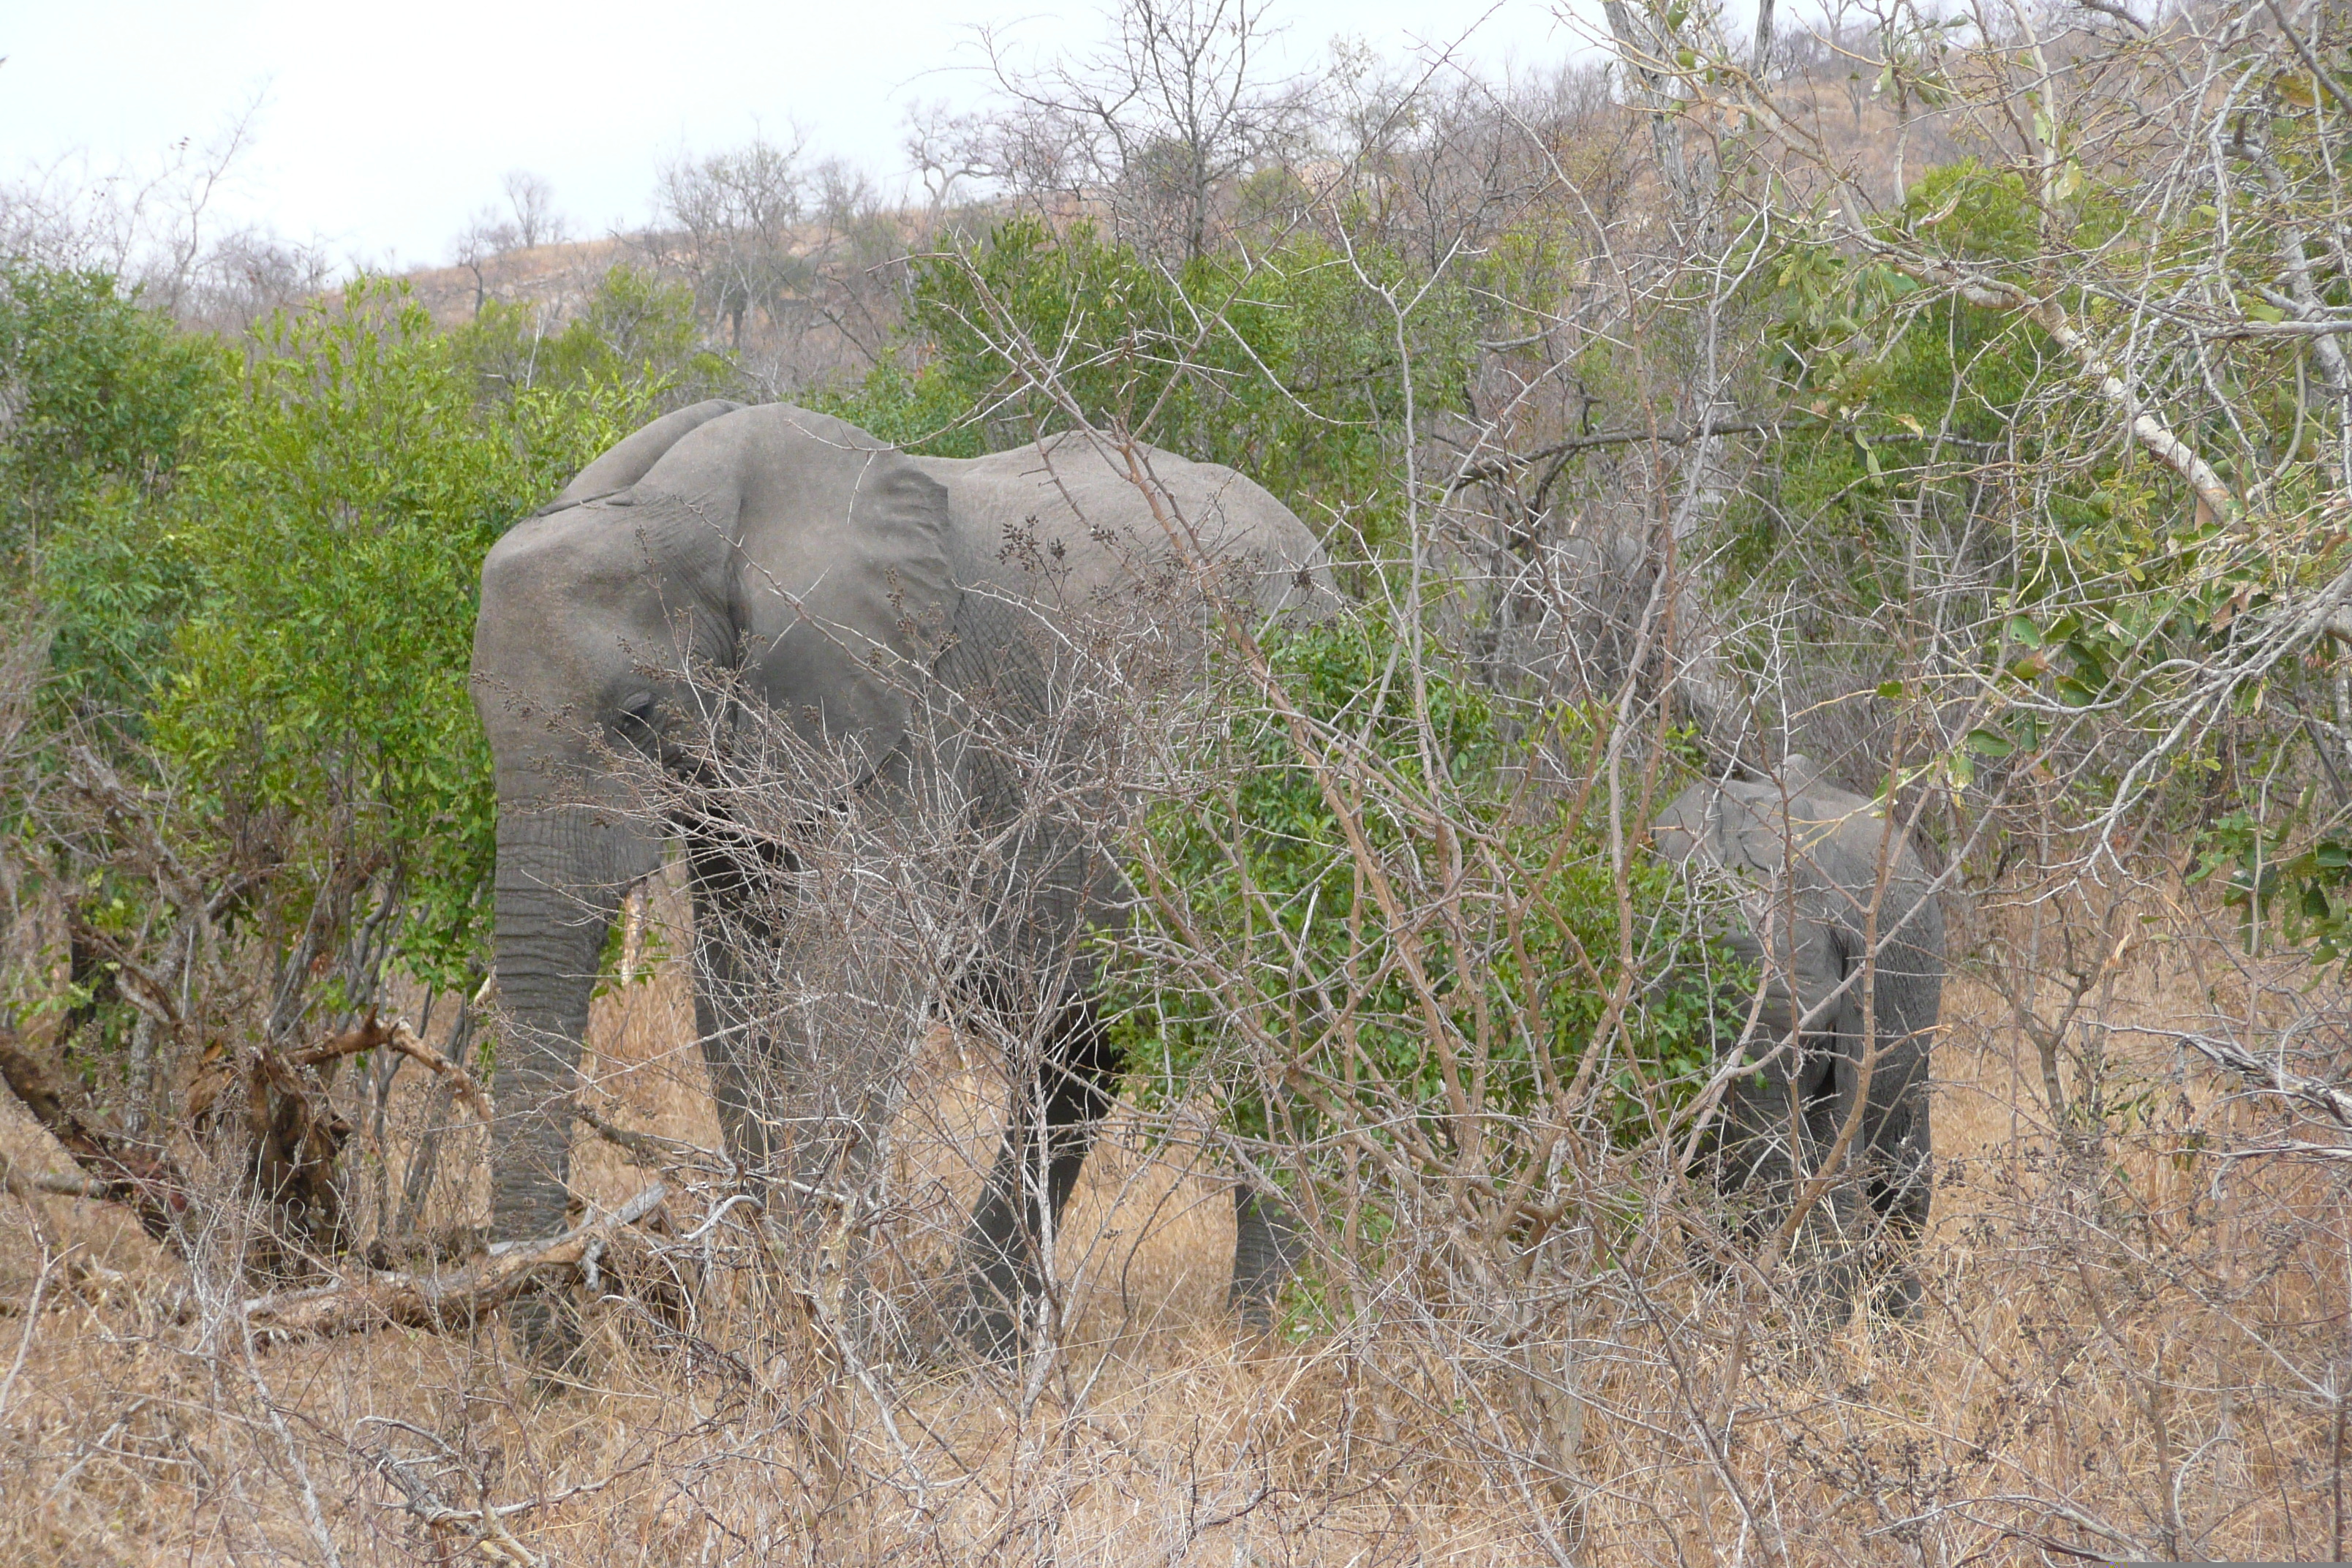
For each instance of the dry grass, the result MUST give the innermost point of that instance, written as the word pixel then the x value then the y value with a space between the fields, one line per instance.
pixel 2138 1337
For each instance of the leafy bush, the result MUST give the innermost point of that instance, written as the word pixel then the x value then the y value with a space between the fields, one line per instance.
pixel 334 528
pixel 1284 365
pixel 1269 963
pixel 103 399
pixel 637 331
pixel 100 393
pixel 261 575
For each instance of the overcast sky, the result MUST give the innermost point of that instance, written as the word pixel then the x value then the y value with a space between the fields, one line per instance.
pixel 382 128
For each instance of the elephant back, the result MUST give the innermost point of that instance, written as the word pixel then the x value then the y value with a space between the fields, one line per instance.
pixel 1078 528
pixel 1083 563
pixel 1080 607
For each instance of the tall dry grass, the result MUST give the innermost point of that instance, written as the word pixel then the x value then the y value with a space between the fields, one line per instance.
pixel 2135 1343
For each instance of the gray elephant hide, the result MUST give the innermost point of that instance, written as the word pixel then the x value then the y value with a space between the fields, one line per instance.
pixel 1839 919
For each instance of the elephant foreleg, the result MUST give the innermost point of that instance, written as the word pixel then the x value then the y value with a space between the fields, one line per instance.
pixel 1762 1148
pixel 552 920
pixel 1052 1125
pixel 794 1064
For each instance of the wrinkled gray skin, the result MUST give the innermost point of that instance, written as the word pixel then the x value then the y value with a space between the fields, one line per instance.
pixel 1808 858
pixel 837 576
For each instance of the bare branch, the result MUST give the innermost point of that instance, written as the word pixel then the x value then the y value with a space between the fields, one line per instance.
pixel 449 1302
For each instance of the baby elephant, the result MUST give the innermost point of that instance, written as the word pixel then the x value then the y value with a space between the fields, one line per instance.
pixel 1841 921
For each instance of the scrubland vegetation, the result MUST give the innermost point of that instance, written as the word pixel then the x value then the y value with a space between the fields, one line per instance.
pixel 1958 398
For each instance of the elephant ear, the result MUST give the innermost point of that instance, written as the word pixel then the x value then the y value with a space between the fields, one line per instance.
pixel 628 461
pixel 833 563
pixel 1801 775
pixel 1763 828
pixel 1725 824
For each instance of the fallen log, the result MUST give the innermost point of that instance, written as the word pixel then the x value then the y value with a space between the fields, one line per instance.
pixel 297 1134
pixel 443 1245
pixel 56 1184
pixel 26 1190
pixel 443 1302
pixel 648 1149
pixel 119 1170
pixel 484 1528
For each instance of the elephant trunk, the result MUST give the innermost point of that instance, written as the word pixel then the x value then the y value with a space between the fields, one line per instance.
pixel 560 876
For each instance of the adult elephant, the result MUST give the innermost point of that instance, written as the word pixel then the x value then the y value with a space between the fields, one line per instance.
pixel 1842 922
pixel 894 613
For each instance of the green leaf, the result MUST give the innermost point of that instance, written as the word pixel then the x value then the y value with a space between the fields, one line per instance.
pixel 1988 743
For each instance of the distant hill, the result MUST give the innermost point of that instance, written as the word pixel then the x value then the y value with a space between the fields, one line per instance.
pixel 560 277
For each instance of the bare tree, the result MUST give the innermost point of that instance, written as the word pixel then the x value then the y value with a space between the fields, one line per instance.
pixel 151 226
pixel 481 242
pixel 1157 125
pixel 531 203
pixel 730 222
pixel 249 275
pixel 527 220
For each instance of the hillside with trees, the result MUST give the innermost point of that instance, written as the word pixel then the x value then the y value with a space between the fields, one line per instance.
pixel 1957 399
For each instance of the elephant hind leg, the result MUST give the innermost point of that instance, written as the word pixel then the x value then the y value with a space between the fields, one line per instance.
pixel 1779 1138
pixel 1768 1140
pixel 1265 1251
pixel 725 1019
pixel 1902 1189
pixel 1875 1213
pixel 1051 1124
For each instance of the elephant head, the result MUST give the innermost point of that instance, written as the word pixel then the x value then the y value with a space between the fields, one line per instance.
pixel 782 545
pixel 552 679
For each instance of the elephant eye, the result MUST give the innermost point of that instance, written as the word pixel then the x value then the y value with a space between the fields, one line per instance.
pixel 636 716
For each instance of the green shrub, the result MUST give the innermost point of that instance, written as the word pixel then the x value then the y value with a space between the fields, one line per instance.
pixel 1266 966
pixel 105 400
pixel 334 529
pixel 638 332
pixel 1282 364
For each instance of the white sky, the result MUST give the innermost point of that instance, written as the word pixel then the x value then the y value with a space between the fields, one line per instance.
pixel 383 129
